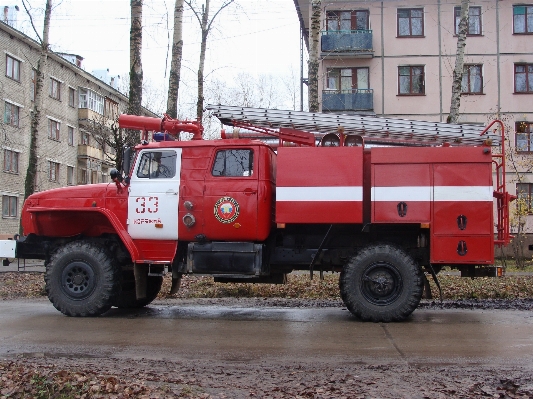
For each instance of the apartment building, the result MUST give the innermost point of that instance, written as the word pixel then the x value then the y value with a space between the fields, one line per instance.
pixel 77 111
pixel 396 59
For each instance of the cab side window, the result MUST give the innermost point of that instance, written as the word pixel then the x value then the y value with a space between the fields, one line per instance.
pixel 233 163
pixel 157 165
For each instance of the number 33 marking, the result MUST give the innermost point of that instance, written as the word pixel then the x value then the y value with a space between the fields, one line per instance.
pixel 147 204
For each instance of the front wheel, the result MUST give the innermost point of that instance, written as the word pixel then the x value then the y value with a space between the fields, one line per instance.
pixel 381 283
pixel 81 279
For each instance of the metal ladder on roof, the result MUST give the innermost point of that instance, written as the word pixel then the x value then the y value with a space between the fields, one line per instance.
pixel 371 129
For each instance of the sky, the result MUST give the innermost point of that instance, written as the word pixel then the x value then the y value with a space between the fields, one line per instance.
pixel 258 37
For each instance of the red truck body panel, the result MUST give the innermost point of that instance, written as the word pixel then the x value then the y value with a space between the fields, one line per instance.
pixel 319 185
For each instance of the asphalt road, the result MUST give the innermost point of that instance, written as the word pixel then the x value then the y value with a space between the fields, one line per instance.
pixel 232 333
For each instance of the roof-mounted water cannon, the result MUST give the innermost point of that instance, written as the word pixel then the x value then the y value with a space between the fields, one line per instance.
pixel 166 124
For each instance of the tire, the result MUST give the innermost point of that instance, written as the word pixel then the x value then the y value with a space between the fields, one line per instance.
pixel 127 298
pixel 381 283
pixel 81 279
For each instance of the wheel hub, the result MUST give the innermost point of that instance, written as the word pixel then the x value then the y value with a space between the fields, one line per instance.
pixel 78 280
pixel 381 283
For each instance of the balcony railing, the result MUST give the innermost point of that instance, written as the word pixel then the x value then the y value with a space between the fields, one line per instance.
pixel 346 41
pixel 347 100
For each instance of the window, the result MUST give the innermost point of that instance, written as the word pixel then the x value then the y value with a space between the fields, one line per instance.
pixel 524 136
pixel 523 78
pixel 474 20
pixel 11 114
pixel 472 79
pixel 232 163
pixel 71 97
pixel 410 22
pixel 523 19
pixel 70 135
pixel 9 206
pixel 12 68
pixel 53 171
pixel 111 109
pixel 53 129
pixel 70 175
pixel 33 84
pixel 55 89
pixel 524 193
pixel 11 161
pixel 84 138
pixel 157 165
pixel 91 100
pixel 347 20
pixel 411 80
pixel 347 80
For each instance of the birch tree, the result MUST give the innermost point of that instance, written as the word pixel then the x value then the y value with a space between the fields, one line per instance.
pixel 202 15
pixel 312 65
pixel 136 72
pixel 35 114
pixel 459 63
pixel 175 64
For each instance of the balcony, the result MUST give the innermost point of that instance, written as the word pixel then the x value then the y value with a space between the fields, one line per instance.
pixel 88 118
pixel 86 151
pixel 346 43
pixel 348 100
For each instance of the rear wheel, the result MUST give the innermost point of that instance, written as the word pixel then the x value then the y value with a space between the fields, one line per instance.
pixel 81 279
pixel 127 298
pixel 381 283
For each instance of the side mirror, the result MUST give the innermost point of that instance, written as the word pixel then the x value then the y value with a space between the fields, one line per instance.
pixel 126 160
pixel 115 174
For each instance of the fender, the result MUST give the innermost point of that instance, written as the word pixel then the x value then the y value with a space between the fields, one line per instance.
pixel 66 214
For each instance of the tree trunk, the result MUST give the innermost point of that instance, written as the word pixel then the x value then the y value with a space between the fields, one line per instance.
pixel 312 66
pixel 201 66
pixel 136 72
pixel 31 172
pixel 175 64
pixel 459 63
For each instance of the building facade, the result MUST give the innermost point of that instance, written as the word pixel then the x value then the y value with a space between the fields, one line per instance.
pixel 77 111
pixel 396 59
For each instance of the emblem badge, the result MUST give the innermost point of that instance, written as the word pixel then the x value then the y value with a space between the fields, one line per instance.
pixel 226 210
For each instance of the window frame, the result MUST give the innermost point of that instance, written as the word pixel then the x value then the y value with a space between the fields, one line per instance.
pixel 249 171
pixel 410 19
pixel 354 84
pixel 11 72
pixel 528 196
pixel 70 175
pixel 53 171
pixel 466 70
pixel 457 16
pixel 336 16
pixel 423 74
pixel 14 114
pixel 72 97
pixel 70 136
pixel 11 161
pixel 528 30
pixel 12 199
pixel 528 72
pixel 54 134
pixel 55 89
pixel 524 128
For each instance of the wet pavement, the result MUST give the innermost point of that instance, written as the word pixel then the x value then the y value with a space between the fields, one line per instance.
pixel 233 333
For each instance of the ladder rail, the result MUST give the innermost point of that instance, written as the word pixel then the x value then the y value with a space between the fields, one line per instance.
pixel 432 133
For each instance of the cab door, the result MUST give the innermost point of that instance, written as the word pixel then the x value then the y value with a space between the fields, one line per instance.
pixel 231 195
pixel 153 195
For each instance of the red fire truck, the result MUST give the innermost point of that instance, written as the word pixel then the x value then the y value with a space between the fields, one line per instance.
pixel 385 202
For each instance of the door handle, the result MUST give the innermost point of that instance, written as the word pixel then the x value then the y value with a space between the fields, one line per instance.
pixel 249 191
pixel 171 192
